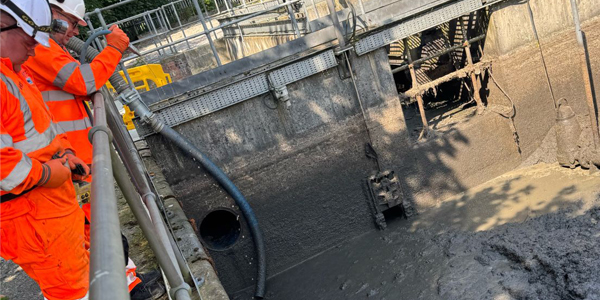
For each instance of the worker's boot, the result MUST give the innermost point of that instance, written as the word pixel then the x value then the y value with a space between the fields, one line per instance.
pixel 151 287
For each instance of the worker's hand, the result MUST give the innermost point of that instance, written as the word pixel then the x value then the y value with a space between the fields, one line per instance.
pixel 117 39
pixel 55 173
pixel 79 169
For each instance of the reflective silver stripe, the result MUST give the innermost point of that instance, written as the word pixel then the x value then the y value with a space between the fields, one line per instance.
pixel 88 77
pixel 64 74
pixel 57 129
pixel 36 142
pixel 17 175
pixel 33 139
pixel 6 140
pixel 57 96
pixel 28 125
pixel 76 125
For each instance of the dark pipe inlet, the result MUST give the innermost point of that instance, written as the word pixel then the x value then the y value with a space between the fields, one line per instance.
pixel 235 193
pixel 220 229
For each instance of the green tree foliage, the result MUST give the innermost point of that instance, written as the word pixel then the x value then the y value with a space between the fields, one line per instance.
pixel 137 7
pixel 131 9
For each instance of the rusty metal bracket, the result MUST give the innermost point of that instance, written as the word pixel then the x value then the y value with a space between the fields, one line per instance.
pixel 386 192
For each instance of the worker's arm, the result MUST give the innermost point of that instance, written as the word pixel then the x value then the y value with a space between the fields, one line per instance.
pixel 18 172
pixel 58 67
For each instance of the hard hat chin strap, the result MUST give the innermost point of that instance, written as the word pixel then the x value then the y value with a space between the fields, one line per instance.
pixel 7 28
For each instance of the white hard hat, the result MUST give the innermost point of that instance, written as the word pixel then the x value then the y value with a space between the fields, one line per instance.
pixel 75 8
pixel 33 16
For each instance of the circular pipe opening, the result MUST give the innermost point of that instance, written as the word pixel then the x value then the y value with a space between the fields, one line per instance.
pixel 220 229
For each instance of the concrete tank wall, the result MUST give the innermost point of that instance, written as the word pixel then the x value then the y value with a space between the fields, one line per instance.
pixel 303 169
pixel 518 63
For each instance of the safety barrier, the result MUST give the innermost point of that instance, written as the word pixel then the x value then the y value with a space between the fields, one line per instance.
pixel 142 76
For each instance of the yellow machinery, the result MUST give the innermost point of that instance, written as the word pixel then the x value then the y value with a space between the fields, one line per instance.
pixel 141 77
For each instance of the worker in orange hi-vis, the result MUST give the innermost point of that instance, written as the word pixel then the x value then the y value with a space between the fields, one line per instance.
pixel 38 207
pixel 65 85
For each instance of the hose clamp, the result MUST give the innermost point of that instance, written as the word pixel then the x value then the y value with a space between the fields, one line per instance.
pixel 174 290
pixel 127 96
pixel 102 128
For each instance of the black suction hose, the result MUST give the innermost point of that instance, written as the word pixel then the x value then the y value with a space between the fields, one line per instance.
pixel 235 193
pixel 86 45
pixel 120 86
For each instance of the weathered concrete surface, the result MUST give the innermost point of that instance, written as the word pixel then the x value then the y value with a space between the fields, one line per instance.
pixel 448 252
pixel 238 48
pixel 303 169
pixel 510 27
pixel 199 262
pixel 518 66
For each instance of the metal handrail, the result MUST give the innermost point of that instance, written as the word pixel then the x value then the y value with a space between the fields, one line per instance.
pixel 221 26
pixel 107 261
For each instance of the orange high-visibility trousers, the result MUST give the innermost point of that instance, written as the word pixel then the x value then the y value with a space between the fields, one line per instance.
pixel 51 251
pixel 130 267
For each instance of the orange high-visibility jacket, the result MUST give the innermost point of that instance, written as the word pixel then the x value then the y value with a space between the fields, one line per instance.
pixel 64 83
pixel 29 138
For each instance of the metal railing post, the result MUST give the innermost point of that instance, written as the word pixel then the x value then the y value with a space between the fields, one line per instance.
pixel 204 6
pixel 157 240
pixel 207 33
pixel 228 6
pixel 163 25
pixel 306 18
pixel 147 20
pixel 154 28
pixel 180 26
pixel 294 22
pixel 336 24
pixel 169 27
pixel 107 261
pixel 315 8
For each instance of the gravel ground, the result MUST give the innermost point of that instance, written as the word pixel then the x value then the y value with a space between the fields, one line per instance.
pixel 15 284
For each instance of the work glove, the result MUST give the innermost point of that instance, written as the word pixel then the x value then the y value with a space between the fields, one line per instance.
pixel 79 169
pixel 117 39
pixel 55 173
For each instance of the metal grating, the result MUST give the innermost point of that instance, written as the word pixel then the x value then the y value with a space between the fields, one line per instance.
pixel 213 101
pixel 417 24
pixel 303 69
pixel 200 105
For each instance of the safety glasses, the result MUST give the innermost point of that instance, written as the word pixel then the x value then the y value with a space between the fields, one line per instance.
pixel 73 23
pixel 57 26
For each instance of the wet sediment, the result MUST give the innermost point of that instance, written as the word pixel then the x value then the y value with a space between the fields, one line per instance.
pixel 529 234
pixel 551 257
